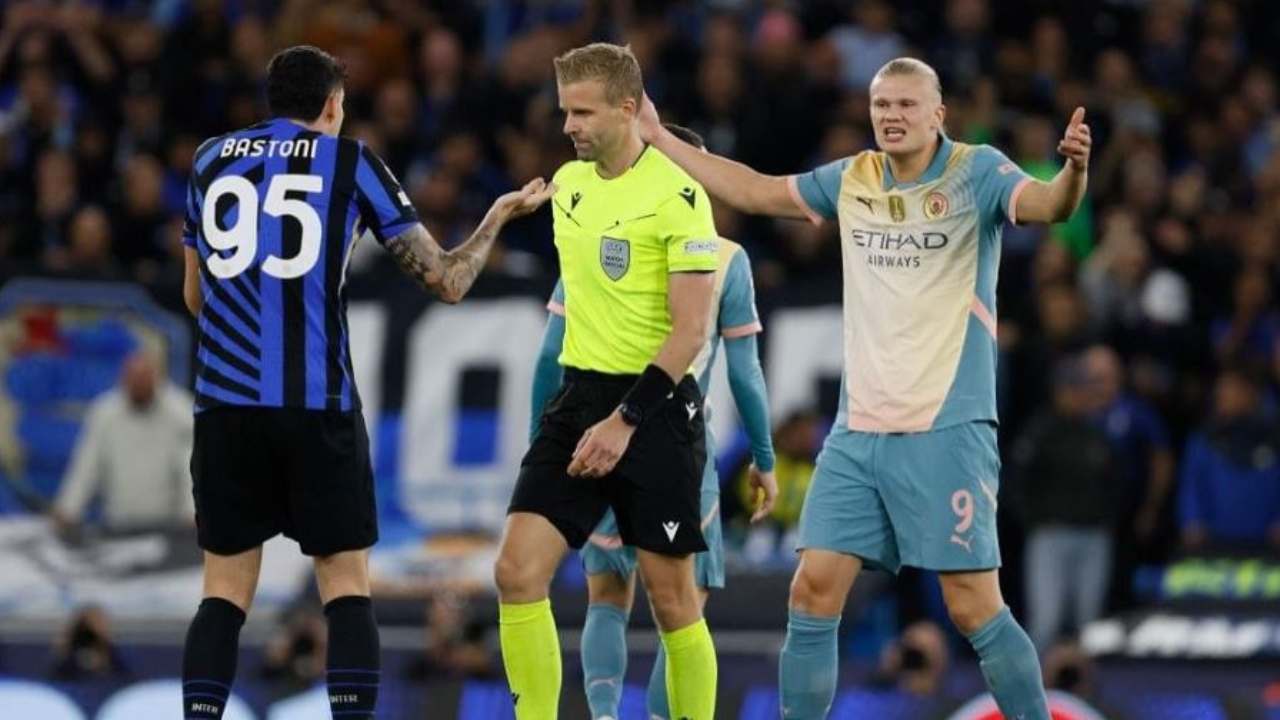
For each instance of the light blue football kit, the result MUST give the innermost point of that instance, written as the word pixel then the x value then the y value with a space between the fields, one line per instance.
pixel 910 473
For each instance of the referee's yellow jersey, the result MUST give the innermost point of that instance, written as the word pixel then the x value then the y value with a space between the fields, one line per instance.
pixel 618 241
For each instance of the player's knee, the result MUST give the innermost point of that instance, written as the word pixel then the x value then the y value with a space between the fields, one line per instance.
pixel 970 611
pixel 615 592
pixel 674 607
pixel 815 594
pixel 517 581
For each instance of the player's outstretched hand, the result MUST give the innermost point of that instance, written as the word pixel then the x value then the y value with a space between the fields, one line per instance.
pixel 650 124
pixel 601 447
pixel 1076 141
pixel 765 489
pixel 518 203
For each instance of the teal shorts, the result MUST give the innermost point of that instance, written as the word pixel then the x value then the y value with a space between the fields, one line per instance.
pixel 926 500
pixel 605 553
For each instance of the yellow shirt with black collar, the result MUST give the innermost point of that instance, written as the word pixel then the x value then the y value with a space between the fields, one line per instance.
pixel 619 239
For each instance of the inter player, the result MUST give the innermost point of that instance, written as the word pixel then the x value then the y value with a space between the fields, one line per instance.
pixel 909 474
pixel 273 212
pixel 638 254
pixel 609 564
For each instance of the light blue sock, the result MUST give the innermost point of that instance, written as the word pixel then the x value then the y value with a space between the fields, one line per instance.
pixel 809 665
pixel 657 697
pixel 1011 668
pixel 604 658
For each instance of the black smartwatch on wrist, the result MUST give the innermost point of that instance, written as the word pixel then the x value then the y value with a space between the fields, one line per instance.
pixel 631 414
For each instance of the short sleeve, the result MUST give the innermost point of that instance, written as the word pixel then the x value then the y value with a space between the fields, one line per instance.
pixel 190 221
pixel 738 316
pixel 383 205
pixel 997 181
pixel 692 242
pixel 817 192
pixel 555 305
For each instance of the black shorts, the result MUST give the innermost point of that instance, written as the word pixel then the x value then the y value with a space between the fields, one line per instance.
pixel 654 490
pixel 258 471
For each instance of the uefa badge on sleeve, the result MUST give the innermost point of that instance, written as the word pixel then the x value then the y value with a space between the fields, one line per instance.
pixel 615 257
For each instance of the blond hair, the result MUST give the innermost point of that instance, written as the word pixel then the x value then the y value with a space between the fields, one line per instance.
pixel 910 66
pixel 615 66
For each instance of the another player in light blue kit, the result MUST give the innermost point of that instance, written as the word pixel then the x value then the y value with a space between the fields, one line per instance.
pixel 611 566
pixel 910 473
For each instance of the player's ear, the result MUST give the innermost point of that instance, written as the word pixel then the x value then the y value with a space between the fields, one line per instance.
pixel 630 106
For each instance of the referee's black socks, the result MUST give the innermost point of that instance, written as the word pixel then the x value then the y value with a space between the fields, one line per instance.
pixel 209 659
pixel 354 664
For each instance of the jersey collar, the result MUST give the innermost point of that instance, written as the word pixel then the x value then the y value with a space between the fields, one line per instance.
pixel 931 173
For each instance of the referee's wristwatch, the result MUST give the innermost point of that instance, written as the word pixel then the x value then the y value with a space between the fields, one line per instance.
pixel 631 414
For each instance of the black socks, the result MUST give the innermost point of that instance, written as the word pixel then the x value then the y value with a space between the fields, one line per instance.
pixel 209 659
pixel 354 663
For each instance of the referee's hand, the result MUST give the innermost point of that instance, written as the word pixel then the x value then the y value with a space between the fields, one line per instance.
pixel 765 487
pixel 600 448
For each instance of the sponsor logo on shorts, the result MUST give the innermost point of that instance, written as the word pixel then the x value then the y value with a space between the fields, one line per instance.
pixel 671 528
pixel 962 542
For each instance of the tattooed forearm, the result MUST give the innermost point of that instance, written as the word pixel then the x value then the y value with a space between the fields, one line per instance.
pixel 418 255
pixel 448 274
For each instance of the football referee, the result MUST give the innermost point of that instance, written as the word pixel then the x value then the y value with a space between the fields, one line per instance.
pixel 638 252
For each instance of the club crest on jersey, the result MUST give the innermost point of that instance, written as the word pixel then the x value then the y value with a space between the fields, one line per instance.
pixel 936 205
pixel 897 208
pixel 615 257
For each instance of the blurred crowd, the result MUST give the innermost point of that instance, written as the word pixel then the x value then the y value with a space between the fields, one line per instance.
pixel 1140 341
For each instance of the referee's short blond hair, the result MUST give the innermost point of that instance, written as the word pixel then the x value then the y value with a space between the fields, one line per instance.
pixel 615 66
pixel 910 66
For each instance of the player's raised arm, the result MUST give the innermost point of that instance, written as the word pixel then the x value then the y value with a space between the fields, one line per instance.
pixel 731 181
pixel 451 273
pixel 1054 201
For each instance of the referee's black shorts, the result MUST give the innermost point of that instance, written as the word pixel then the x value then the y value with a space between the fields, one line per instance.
pixel 260 471
pixel 655 488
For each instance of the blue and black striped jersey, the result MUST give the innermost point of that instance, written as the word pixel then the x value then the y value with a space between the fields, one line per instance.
pixel 274 211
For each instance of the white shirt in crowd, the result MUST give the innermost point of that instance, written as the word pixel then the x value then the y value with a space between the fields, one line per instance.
pixel 136 461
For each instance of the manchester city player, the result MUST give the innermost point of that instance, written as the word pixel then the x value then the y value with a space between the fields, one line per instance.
pixel 910 472
pixel 610 565
pixel 273 212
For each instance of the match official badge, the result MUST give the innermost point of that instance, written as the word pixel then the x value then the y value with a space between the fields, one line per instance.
pixel 897 208
pixel 936 205
pixel 615 257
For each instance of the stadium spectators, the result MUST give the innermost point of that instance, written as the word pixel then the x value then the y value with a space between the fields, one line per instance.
pixel 1144 465
pixel 294 656
pixel 1230 492
pixel 796 441
pixel 84 650
pixel 916 663
pixel 1065 490
pixel 132 455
